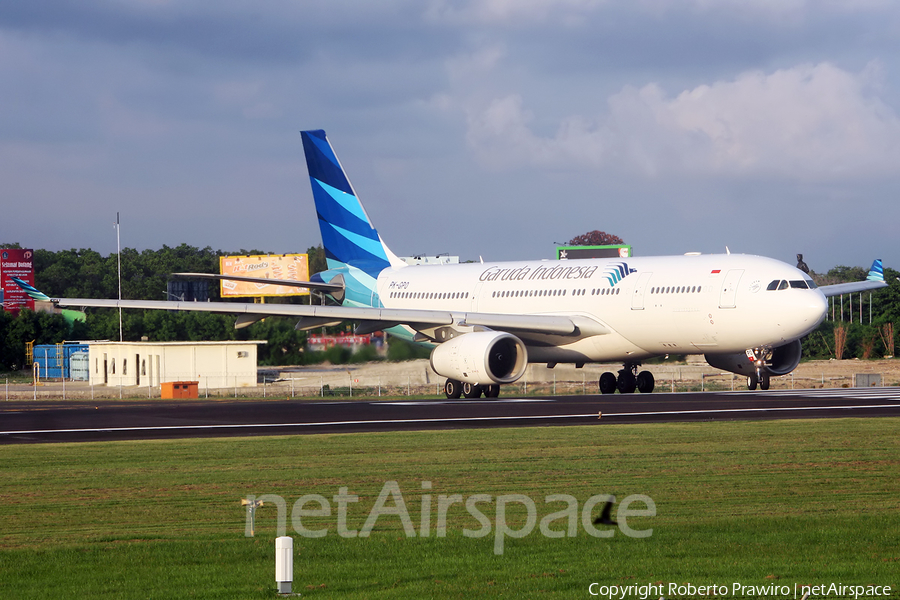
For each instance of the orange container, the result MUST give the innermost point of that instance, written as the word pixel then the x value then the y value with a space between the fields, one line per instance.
pixel 179 389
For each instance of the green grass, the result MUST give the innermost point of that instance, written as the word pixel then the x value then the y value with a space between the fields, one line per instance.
pixel 782 502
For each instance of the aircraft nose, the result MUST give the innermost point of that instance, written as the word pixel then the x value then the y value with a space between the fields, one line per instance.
pixel 805 314
pixel 816 309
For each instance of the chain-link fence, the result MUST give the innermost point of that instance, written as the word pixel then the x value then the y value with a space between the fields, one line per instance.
pixel 340 383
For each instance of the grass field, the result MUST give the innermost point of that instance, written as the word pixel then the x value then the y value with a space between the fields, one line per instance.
pixel 750 503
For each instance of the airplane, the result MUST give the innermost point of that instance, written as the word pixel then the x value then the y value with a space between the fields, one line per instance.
pixel 487 320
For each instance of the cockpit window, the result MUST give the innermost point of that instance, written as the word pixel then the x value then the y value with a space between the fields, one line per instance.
pixel 797 284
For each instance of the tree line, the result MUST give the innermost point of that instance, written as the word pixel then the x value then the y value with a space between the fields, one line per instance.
pixel 86 273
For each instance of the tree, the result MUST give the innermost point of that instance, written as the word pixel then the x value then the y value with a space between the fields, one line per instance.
pixel 317 262
pixel 39 327
pixel 596 238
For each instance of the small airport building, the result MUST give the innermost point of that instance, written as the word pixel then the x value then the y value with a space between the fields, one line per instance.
pixel 149 364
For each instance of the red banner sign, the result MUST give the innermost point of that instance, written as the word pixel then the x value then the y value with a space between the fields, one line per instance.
pixel 16 262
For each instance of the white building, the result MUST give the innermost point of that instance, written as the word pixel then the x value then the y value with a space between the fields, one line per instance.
pixel 147 364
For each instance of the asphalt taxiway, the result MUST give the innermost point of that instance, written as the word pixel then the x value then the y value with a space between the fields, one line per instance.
pixel 30 422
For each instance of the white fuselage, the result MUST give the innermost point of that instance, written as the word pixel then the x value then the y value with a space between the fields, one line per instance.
pixel 692 304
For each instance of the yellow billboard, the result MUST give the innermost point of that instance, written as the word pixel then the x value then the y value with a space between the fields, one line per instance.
pixel 292 267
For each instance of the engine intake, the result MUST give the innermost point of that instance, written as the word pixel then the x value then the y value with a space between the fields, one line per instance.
pixel 784 360
pixel 481 357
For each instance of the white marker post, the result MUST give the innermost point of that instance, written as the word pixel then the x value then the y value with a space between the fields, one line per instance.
pixel 284 563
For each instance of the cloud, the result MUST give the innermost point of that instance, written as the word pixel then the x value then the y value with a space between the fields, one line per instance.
pixel 518 13
pixel 806 122
pixel 494 12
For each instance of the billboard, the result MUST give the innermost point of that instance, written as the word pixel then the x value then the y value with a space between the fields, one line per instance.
pixel 294 267
pixel 618 251
pixel 16 262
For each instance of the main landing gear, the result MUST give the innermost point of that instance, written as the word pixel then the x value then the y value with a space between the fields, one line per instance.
pixel 453 389
pixel 628 381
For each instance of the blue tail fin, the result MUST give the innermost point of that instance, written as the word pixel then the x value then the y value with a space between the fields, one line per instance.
pixel 32 291
pixel 876 273
pixel 348 236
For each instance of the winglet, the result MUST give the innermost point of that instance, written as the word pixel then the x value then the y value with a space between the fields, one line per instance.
pixel 876 273
pixel 31 290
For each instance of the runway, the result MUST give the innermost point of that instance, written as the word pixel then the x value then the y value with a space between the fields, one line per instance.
pixel 30 422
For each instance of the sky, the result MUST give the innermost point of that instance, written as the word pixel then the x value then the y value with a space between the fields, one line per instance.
pixel 483 128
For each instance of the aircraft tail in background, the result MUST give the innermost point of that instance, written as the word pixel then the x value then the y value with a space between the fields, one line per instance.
pixel 876 273
pixel 874 280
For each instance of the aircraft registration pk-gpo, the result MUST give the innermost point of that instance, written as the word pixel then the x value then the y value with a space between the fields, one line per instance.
pixel 487 321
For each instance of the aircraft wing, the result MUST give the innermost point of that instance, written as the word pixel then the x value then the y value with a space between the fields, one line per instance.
pixel 316 285
pixel 874 280
pixel 373 319
pixel 851 288
pixel 317 315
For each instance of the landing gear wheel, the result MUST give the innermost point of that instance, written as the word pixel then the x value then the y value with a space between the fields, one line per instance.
pixel 626 382
pixel 764 381
pixel 645 382
pixel 752 381
pixel 471 390
pixel 452 388
pixel 607 383
pixel 492 391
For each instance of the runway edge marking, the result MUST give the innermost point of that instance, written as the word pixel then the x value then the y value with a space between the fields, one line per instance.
pixel 446 420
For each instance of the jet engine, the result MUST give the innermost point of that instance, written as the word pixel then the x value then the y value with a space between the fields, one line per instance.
pixel 783 360
pixel 481 357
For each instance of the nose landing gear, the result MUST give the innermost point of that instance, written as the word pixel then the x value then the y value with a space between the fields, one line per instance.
pixel 762 377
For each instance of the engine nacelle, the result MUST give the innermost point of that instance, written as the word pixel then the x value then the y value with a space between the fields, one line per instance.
pixel 784 360
pixel 482 357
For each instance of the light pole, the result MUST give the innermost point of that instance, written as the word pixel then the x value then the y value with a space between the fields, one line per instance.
pixel 119 261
